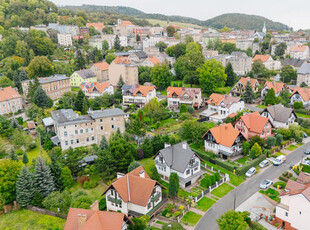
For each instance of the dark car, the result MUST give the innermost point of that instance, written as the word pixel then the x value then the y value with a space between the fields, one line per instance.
pixel 307 151
pixel 305 135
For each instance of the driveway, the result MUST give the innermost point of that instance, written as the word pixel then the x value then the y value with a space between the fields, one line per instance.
pixel 253 108
pixel 247 189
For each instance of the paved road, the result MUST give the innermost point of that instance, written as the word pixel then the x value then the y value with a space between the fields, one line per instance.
pixel 253 108
pixel 247 189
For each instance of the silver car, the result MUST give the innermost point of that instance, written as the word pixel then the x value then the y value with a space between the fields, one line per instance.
pixel 265 184
pixel 250 172
pixel 264 163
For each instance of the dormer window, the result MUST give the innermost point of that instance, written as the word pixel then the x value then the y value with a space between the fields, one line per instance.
pixel 139 94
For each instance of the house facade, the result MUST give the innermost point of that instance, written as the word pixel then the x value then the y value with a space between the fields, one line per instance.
pixel 64 39
pixel 301 95
pixel 85 75
pixel 176 96
pixel 96 89
pixel 239 87
pixel 240 62
pixel 74 130
pixel 180 159
pixel 134 194
pixel 224 140
pixel 54 86
pixel 300 51
pixel 10 101
pixel 101 70
pixel 278 87
pixel 303 74
pixel 253 124
pixel 280 116
pixel 139 95
pixel 268 62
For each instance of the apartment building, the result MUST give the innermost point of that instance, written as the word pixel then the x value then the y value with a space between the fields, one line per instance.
pixel 64 39
pixel 139 95
pixel 240 62
pixel 10 101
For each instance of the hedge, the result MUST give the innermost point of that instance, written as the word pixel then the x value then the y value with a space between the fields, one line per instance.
pixel 302 111
pixel 203 155
pixel 242 170
pixel 306 168
pixel 225 165
pixel 283 178
pixel 281 183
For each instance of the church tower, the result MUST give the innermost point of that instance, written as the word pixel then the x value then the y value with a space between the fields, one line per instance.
pixel 264 29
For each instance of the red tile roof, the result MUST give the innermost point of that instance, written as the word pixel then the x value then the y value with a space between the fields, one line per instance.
pixel 91 86
pixel 254 122
pixel 215 99
pixel 102 66
pixel 31 125
pixel 8 93
pixel 181 91
pixel 127 23
pixel 303 92
pixel 244 80
pixel 262 58
pixel 276 86
pixel 299 48
pixel 98 26
pixel 99 220
pixel 122 60
pixel 154 60
pixel 144 90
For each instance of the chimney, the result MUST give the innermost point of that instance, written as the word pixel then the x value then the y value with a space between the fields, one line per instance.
pixel 81 220
pixel 102 109
pixel 119 175
pixel 95 206
pixel 184 145
pixel 167 145
pixel 142 174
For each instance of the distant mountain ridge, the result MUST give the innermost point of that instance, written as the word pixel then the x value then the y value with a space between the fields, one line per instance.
pixel 232 20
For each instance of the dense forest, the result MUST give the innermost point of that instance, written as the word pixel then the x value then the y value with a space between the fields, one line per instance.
pixel 232 20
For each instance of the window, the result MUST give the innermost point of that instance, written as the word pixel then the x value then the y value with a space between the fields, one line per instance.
pixel 66 142
pixel 65 133
pixel 112 119
pixel 71 142
pixel 112 126
pixel 149 205
pixel 100 120
pixel 286 214
pixel 77 141
pixel 112 193
pixel 92 129
pixel 187 171
pixel 92 138
pixel 86 130
pixel 299 212
pixel 87 139
pixel 81 130
pixel 76 132
pixel 101 127
pixel 64 127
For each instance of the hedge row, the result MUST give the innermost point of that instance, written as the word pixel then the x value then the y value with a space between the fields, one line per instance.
pixel 242 170
pixel 203 155
pixel 225 165
pixel 302 111
pixel 283 178
pixel 306 168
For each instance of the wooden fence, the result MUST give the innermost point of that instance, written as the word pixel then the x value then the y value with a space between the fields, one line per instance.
pixel 46 212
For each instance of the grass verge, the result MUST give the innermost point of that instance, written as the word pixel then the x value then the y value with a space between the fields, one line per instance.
pixel 205 203
pixel 190 218
pixel 222 190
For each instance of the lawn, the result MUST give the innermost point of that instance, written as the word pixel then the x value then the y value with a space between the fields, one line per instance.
pixel 34 153
pixel 242 160
pixel 75 89
pixel 163 92
pixel 291 148
pixel 222 190
pixel 300 144
pixel 205 203
pixel 222 90
pixel 272 194
pixel 26 219
pixel 277 154
pixel 303 115
pixel 261 106
pixel 191 218
pixel 147 163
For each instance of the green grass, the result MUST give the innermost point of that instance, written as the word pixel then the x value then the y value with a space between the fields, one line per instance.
pixel 205 203
pixel 303 115
pixel 222 190
pixel 147 164
pixel 277 154
pixel 291 148
pixel 281 184
pixel 75 89
pixel 160 222
pixel 242 160
pixel 191 218
pixel 272 194
pixel 261 106
pixel 26 219
pixel 214 198
pixel 34 153
pixel 300 144
pixel 222 90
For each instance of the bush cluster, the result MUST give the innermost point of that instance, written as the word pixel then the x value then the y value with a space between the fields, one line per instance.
pixel 242 170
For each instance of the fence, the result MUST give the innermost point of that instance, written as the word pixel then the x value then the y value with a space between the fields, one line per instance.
pixel 212 187
pixel 205 166
pixel 46 212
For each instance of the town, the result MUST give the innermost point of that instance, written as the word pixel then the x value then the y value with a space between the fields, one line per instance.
pixel 111 121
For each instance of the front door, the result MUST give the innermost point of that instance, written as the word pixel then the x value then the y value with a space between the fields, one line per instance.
pixel 188 184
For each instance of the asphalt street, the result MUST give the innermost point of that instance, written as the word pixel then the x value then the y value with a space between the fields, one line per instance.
pixel 247 189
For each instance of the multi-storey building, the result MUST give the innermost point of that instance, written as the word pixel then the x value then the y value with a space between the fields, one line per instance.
pixel 123 68
pixel 84 75
pixel 177 96
pixel 10 101
pixel 64 39
pixel 303 74
pixel 101 70
pixel 139 95
pixel 96 89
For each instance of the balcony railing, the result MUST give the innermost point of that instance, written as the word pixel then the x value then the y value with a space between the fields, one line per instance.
pixel 156 197
pixel 114 200
pixel 160 163
pixel 194 165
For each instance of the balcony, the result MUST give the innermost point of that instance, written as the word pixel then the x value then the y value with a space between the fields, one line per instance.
pixel 156 197
pixel 196 164
pixel 114 200
pixel 159 163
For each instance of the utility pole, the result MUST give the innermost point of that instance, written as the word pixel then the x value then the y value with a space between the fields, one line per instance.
pixel 234 201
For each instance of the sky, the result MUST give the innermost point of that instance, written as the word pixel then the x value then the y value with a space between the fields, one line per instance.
pixel 292 13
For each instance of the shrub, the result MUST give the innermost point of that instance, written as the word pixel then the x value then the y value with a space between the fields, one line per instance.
pixel 283 179
pixel 102 203
pixel 177 213
pixel 168 215
pixel 19 152
pixel 281 183
pixel 185 116
pixel 190 109
pixel 90 184
pixel 306 168
pixel 217 176
pixel 82 179
pixel 165 211
pixel 298 105
pixel 205 182
pixel 212 178
pixel 225 165
pixel 242 170
pixel 181 208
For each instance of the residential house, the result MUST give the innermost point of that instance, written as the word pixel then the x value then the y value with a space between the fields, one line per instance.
pixel 295 63
pixel 74 130
pixel 301 94
pixel 150 61
pixel 10 101
pixel 64 39
pixel 101 70
pixel 134 194
pixel 98 26
pixel 123 68
pixel 84 219
pixel 84 75
pixel 293 211
pixel 280 116
pixel 303 74
pixel 176 96
pixel 278 87
pixel 54 86
pixel 96 89
pixel 137 57
pixel 253 124
pixel 224 140
pixel 139 95
pixel 64 29
pixel 268 62
pixel 300 51
pixel 221 106
pixel 180 159
pixel 240 62
pixel 240 86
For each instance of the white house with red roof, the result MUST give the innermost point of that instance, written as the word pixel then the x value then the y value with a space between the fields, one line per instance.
pixel 176 96
pixel 139 95
pixel 278 87
pixel 239 87
pixel 224 140
pixel 268 62
pixel 95 89
pixel 134 194
pixel 301 95
pixel 150 61
pixel 300 52
pixel 10 101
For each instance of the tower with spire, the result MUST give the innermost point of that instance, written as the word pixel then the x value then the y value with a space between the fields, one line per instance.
pixel 264 28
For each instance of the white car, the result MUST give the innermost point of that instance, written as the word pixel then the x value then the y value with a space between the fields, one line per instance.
pixel 306 162
pixel 264 163
pixel 265 184
pixel 250 172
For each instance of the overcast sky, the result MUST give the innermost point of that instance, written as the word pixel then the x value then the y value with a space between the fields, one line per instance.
pixel 295 14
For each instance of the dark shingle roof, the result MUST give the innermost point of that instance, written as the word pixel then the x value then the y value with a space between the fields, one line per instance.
pixel 68 116
pixel 279 112
pixel 107 113
pixel 293 62
pixel 141 54
pixel 304 69
pixel 86 73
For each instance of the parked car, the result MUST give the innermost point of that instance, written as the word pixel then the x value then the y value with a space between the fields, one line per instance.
pixel 305 162
pixel 279 160
pixel 264 163
pixel 305 135
pixel 250 172
pixel 307 151
pixel 265 184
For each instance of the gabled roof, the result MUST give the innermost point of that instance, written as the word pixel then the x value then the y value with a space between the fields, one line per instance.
pixel 181 91
pixel 304 69
pixel 303 92
pixel 97 26
pixel 91 86
pixel 102 66
pixel 244 80
pixel 31 125
pixel 224 134
pixel 293 62
pixel 177 156
pixel 280 113
pixel 215 99
pixel 133 188
pixel 254 122
pixel 86 73
pixel 262 58
pixel 127 23
pixel 8 93
pixel 276 86
pixel 99 220
pixel 140 54
pixel 299 48
pixel 121 60
pixel 303 177
pixel 154 60
pixel 144 90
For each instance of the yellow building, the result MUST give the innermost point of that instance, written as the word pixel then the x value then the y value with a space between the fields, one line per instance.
pixel 85 75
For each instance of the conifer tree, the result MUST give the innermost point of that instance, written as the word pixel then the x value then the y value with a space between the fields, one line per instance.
pixel 231 76
pixel 117 43
pixel 13 155
pixel 249 94
pixel 40 98
pixel 25 158
pixel 103 143
pixel 56 172
pixel 24 187
pixel 79 103
pixel 43 178
pixel 23 75
pixel 17 82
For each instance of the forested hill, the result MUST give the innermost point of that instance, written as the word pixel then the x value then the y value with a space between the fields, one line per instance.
pixel 243 21
pixel 232 20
